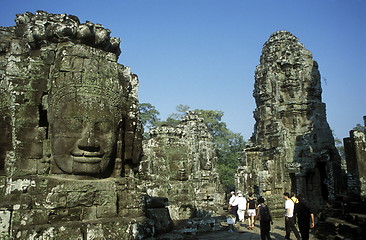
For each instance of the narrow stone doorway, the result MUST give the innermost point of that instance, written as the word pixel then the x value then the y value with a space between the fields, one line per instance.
pixel 324 181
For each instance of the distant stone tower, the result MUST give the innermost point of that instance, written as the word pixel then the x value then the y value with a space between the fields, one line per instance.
pixel 292 147
pixel 355 151
pixel 180 163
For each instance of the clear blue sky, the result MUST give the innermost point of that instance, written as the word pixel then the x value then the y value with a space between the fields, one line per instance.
pixel 203 53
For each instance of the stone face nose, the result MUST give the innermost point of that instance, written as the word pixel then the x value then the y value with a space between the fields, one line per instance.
pixel 89 141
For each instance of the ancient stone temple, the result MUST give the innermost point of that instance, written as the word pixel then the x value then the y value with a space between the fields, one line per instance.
pixel 70 141
pixel 292 148
pixel 179 163
pixel 355 150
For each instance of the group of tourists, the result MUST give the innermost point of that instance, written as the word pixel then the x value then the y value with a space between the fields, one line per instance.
pixel 256 209
pixel 239 205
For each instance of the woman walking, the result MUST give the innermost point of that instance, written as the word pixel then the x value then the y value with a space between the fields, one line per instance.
pixel 251 211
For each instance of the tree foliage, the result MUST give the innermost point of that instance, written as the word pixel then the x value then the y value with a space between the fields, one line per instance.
pixel 174 119
pixel 359 127
pixel 339 146
pixel 149 117
pixel 339 143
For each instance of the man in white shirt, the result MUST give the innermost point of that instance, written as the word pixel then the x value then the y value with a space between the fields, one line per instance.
pixel 233 204
pixel 242 206
pixel 289 217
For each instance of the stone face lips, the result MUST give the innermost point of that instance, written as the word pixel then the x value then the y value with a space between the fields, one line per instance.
pixel 292 147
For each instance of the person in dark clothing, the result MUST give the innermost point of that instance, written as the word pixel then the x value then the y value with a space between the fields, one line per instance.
pixel 305 217
pixel 251 206
pixel 265 219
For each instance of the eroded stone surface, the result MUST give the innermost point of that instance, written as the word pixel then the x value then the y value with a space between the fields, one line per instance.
pixel 292 147
pixel 180 164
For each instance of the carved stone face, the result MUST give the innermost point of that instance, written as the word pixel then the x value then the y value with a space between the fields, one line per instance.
pixel 205 159
pixel 83 135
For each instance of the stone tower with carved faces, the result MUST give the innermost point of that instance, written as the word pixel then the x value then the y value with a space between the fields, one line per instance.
pixel 292 148
pixel 179 163
pixel 70 134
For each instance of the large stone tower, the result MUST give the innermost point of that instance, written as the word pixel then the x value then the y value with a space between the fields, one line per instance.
pixel 292 147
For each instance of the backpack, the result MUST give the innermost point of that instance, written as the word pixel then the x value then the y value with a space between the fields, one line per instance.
pixel 264 213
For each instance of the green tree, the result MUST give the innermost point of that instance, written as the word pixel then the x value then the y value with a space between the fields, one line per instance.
pixel 339 145
pixel 340 148
pixel 149 117
pixel 174 119
pixel 359 127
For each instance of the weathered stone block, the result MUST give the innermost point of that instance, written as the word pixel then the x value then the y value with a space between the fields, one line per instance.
pixel 27 217
pixel 18 47
pixel 89 213
pixel 28 166
pixel 156 202
pixel 5 217
pixel 161 217
pixel 119 228
pixel 66 215
pixel 36 150
pixel 49 232
pixel 54 200
pixel 78 198
pixel 107 211
pixel 105 198
pixel 19 185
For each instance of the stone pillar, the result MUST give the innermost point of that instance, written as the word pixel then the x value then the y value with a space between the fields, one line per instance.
pixel 355 151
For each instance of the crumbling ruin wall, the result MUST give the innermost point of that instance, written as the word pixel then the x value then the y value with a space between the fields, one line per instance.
pixel 179 163
pixel 70 140
pixel 355 151
pixel 292 147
